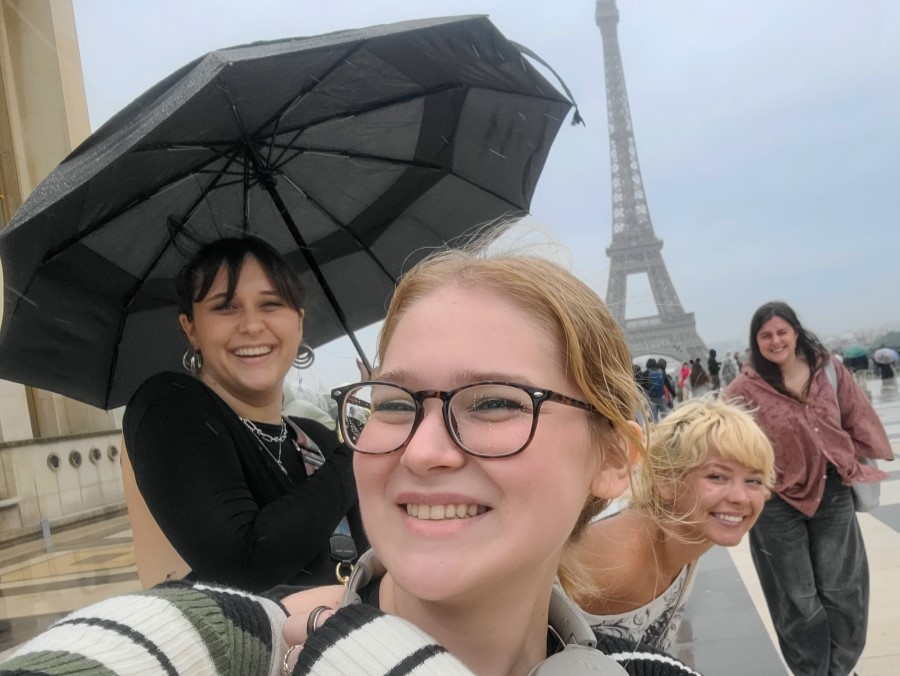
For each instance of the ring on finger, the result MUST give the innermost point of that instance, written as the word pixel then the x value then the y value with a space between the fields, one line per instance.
pixel 285 667
pixel 313 622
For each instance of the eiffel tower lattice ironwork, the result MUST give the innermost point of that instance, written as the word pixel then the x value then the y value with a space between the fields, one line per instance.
pixel 635 248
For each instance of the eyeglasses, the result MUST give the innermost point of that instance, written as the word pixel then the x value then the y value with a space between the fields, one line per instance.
pixel 487 420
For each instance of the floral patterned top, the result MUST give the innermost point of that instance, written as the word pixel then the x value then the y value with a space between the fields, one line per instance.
pixel 655 624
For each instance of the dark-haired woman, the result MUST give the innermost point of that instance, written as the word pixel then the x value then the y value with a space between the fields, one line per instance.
pixel 699 379
pixel 246 497
pixel 807 546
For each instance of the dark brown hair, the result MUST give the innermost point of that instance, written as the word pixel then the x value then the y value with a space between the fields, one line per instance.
pixel 195 279
pixel 807 344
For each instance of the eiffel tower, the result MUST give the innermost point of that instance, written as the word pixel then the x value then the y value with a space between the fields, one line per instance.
pixel 635 249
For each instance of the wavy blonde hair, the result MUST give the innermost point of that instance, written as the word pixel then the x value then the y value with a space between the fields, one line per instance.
pixel 592 345
pixel 682 443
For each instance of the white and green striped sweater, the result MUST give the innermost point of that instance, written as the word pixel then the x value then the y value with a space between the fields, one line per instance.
pixel 199 630
pixel 171 629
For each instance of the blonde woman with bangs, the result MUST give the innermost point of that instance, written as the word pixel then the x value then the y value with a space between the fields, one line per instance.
pixel 705 480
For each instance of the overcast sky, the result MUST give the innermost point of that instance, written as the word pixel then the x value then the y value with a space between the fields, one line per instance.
pixel 767 132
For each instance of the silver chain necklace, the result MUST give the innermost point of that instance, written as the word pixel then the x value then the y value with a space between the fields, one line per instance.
pixel 262 437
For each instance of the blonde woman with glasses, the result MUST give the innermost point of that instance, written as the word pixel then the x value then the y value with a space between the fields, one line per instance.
pixel 497 424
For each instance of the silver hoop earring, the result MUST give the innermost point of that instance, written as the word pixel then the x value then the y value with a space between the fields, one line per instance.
pixel 192 361
pixel 305 357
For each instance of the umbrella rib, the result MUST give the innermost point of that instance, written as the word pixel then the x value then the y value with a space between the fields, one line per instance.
pixel 402 98
pixel 346 114
pixel 222 147
pixel 129 297
pixel 245 220
pixel 332 152
pixel 137 201
pixel 120 327
pixel 335 152
pixel 267 180
pixel 217 173
pixel 285 214
pixel 275 119
pixel 406 163
pixel 363 247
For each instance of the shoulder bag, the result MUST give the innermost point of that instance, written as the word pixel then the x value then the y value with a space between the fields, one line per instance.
pixel 866 496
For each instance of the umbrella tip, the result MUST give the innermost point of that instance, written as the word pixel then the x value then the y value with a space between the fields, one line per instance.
pixel 577 119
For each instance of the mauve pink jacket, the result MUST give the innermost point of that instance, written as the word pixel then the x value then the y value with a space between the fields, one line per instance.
pixel 807 436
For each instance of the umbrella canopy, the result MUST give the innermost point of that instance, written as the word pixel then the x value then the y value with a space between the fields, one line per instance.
pixel 353 154
pixel 885 355
pixel 855 351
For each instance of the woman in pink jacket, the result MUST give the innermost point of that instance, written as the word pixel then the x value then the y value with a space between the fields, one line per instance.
pixel 807 546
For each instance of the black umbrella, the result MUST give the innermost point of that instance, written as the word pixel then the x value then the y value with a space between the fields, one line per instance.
pixel 353 153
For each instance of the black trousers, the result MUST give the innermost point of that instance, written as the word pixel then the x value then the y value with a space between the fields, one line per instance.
pixel 815 577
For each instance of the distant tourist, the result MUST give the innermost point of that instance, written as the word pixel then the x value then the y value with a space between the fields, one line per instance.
pixel 654 384
pixel 683 380
pixel 671 392
pixel 699 380
pixel 730 369
pixel 885 369
pixel 638 374
pixel 859 367
pixel 713 365
pixel 888 384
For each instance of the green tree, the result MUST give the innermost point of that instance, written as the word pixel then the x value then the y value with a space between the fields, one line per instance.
pixel 890 339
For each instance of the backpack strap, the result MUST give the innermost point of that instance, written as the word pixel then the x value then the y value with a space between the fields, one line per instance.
pixel 368 568
pixel 568 621
pixel 565 617
pixel 580 655
pixel 831 374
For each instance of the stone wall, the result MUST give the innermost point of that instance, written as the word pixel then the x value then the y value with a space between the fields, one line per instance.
pixel 63 480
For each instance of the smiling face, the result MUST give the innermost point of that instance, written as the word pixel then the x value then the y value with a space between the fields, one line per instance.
pixel 777 341
pixel 451 526
pixel 249 343
pixel 721 500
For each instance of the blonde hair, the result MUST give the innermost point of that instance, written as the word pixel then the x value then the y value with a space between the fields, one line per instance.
pixel 592 345
pixel 682 442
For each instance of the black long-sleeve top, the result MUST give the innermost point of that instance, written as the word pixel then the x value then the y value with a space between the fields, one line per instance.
pixel 224 504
